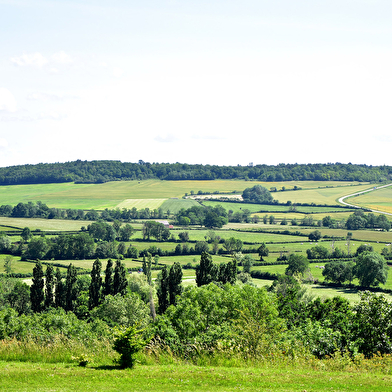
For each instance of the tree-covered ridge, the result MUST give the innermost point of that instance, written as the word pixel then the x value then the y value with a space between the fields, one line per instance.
pixel 105 170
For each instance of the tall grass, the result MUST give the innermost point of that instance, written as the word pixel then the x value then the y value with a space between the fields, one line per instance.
pixel 59 350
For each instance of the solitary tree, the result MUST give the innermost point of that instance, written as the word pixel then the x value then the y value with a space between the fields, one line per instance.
pixel 314 235
pixel 371 269
pixel 233 245
pixel 263 251
pixel 338 271
pixel 26 234
pixel 298 264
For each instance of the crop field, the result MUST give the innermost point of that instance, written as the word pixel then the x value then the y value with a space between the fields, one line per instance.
pixel 327 196
pixel 174 205
pixel 379 200
pixel 140 203
pixel 273 208
pixel 112 194
pixel 42 224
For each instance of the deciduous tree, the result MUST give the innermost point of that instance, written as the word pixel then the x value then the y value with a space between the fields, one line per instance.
pixel 371 269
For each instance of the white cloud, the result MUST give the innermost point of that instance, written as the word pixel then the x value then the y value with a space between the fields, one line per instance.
pixel 34 60
pixel 169 138
pixel 7 101
pixel 62 58
pixel 37 60
pixel 25 116
pixel 41 96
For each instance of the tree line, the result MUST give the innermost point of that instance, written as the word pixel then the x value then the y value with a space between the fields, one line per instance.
pixel 219 315
pixel 108 170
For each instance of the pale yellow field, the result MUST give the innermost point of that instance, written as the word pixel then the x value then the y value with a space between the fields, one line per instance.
pixel 141 203
pixel 327 196
pixel 44 224
pixel 379 199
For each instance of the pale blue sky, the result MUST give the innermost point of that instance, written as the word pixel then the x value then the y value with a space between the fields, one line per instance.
pixel 212 82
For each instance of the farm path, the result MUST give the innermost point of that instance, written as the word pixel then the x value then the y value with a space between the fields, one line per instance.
pixel 341 200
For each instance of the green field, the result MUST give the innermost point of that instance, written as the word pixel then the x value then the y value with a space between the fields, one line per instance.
pixel 155 194
pixel 113 194
pixel 320 376
pixel 320 195
pixel 379 200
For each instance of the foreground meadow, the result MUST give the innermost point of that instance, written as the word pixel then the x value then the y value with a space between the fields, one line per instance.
pixel 43 377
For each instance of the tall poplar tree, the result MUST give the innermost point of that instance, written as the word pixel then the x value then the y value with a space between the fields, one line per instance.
pixel 95 293
pixel 71 289
pixel 174 282
pixel 59 290
pixel 147 267
pixel 37 295
pixel 108 285
pixel 120 282
pixel 163 290
pixel 49 286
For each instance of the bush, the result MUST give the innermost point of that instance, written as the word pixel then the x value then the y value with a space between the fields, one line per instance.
pixel 127 343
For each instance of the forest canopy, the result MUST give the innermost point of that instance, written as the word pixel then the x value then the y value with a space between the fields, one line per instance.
pixel 108 170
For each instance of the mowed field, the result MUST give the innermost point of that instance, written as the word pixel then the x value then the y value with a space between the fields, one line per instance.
pixel 320 195
pixel 153 193
pixel 379 200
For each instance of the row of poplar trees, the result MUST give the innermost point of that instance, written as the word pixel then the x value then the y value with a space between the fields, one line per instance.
pixel 50 290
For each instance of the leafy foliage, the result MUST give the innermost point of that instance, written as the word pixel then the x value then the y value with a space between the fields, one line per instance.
pixel 102 171
pixel 297 264
pixel 371 269
pixel 127 343
pixel 257 194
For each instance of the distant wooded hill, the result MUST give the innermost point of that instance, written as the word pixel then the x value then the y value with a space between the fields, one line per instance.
pixel 103 171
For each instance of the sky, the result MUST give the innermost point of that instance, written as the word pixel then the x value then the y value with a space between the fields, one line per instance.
pixel 217 82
